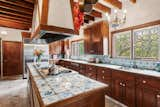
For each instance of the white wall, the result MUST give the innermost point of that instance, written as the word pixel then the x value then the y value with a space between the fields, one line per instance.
pixel 12 34
pixel 143 11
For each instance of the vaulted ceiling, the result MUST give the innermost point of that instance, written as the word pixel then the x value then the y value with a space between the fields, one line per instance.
pixel 16 13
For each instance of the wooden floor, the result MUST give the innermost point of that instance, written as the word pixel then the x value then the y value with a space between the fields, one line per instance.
pixel 13 93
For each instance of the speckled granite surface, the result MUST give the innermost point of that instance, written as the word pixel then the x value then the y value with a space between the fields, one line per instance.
pixel 62 86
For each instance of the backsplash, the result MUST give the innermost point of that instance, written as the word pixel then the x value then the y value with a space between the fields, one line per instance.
pixel 122 62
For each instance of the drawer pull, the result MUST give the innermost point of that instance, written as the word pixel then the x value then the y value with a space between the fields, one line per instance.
pixel 143 81
pixel 158 96
pixel 124 85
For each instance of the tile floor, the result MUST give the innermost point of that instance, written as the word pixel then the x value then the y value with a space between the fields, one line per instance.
pixel 13 93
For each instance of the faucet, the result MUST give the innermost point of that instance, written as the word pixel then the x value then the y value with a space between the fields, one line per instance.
pixel 134 64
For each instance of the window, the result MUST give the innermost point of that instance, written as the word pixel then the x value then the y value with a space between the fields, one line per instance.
pixel 77 48
pixel 141 43
pixel 147 43
pixel 121 45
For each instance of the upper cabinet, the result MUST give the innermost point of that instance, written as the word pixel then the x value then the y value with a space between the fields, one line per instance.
pixel 94 38
pixel 56 48
pixel 52 16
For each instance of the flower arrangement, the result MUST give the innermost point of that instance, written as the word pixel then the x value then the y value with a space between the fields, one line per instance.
pixel 38 53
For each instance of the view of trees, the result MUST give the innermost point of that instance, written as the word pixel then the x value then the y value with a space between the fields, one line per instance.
pixel 146 43
pixel 123 44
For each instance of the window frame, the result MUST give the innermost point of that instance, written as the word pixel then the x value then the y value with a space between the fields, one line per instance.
pixel 74 41
pixel 132 29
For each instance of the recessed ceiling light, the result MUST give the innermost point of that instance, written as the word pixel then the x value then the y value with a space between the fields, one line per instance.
pixel 4 32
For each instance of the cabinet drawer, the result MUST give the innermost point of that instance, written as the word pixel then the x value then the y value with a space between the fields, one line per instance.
pixel 91 74
pixel 148 82
pixel 90 68
pixel 104 72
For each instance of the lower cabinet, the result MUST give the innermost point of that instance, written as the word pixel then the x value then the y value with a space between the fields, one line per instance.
pixel 104 75
pixel 147 92
pixel 123 88
pixel 91 71
pixel 133 90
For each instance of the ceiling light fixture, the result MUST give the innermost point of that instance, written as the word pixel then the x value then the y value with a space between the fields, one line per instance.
pixel 4 32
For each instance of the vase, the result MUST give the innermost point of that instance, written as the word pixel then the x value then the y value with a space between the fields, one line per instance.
pixel 38 60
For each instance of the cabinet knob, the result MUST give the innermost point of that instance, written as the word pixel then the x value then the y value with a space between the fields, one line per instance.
pixel 124 85
pixel 143 81
pixel 120 84
pixel 158 96
pixel 103 77
pixel 103 71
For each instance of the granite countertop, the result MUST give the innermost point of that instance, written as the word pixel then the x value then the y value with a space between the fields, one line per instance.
pixel 116 67
pixel 63 86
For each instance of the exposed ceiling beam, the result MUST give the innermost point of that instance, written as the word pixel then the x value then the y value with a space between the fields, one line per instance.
pixel 115 3
pixel 88 17
pixel 86 21
pixel 15 18
pixel 102 7
pixel 15 8
pixel 20 3
pixel 10 12
pixel 12 24
pixel 30 1
pixel 17 21
pixel 95 13
pixel 133 1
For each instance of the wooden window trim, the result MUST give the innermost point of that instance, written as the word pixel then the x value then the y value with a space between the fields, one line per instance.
pixel 153 23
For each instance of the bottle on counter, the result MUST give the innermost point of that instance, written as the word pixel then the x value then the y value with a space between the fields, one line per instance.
pixel 158 66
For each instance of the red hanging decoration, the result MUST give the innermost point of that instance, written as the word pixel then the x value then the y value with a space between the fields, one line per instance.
pixel 78 16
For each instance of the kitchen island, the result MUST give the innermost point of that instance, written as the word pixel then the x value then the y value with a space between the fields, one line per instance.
pixel 64 90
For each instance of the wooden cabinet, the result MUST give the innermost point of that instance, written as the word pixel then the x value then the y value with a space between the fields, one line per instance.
pixel 91 71
pixel 93 40
pixel 123 87
pixel 104 75
pixel 82 69
pixel 56 48
pixel 147 92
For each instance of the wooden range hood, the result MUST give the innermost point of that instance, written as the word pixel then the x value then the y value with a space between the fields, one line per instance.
pixel 52 20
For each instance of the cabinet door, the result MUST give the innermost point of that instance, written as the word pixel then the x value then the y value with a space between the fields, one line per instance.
pixel 117 89
pixel 124 87
pixel 129 93
pixel 147 92
pixel 147 97
pixel 87 43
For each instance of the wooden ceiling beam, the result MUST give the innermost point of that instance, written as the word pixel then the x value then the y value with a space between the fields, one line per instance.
pixel 115 3
pixel 15 18
pixel 30 1
pixel 20 3
pixel 95 13
pixel 88 17
pixel 6 11
pixel 13 24
pixel 15 8
pixel 133 1
pixel 86 21
pixel 17 21
pixel 102 7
